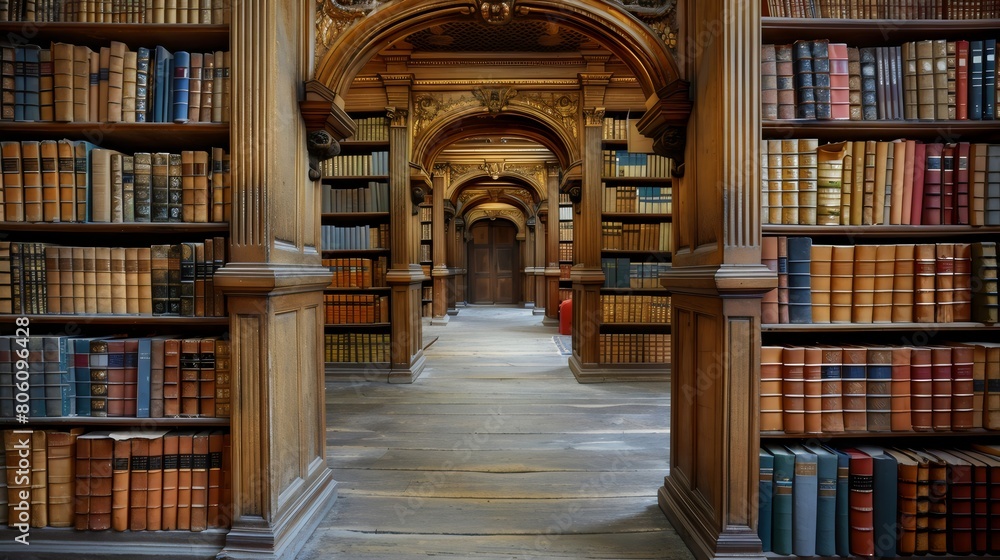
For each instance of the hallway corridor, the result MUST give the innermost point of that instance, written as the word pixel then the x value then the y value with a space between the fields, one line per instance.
pixel 496 452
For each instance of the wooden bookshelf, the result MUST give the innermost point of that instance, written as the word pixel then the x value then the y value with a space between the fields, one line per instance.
pixel 887 436
pixel 867 327
pixel 886 130
pixel 174 36
pixel 120 422
pixel 126 136
pixel 871 32
pixel 882 231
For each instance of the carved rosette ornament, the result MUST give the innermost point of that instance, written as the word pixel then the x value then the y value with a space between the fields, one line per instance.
pixel 493 168
pixel 497 13
pixel 494 100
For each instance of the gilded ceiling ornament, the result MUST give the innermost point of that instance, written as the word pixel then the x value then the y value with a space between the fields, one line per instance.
pixel 396 116
pixel 535 174
pixel 511 214
pixel 428 106
pixel 497 13
pixel 563 107
pixel 493 168
pixel 494 99
pixel 594 117
pixel 334 16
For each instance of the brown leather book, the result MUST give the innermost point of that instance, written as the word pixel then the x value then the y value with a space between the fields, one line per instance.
pixel 900 389
pixel 138 482
pixel 102 278
pixel 898 178
pixel 61 476
pixel 860 498
pixel 187 186
pixel 885 272
pixel 185 463
pixel 189 371
pixel 842 283
pixel 81 83
pixel 116 80
pixel 131 377
pixel 881 159
pixel 49 170
pixel 218 184
pixel 206 377
pixel 131 263
pixel 962 387
pixel 154 485
pixel 789 182
pixel 39 492
pixel 194 87
pixel 203 306
pixel 219 244
pixel 156 378
pixel 226 503
pixel 771 412
pixel 984 287
pixel 119 291
pixel 977 184
pixel 99 378
pixel 31 180
pixel 53 280
pixel 981 465
pixel 769 303
pixel 820 267
pixel 771 184
pixel 944 283
pixel 65 276
pixel 925 269
pixel 785 81
pixel 864 283
pixel 216 445
pixel 769 83
pixel 833 405
pixel 854 82
pixel 978 383
pixel 65 163
pixel 906 488
pixel 13 186
pixel 879 387
pixel 95 458
pixel 144 281
pixel 207 87
pixel 924 52
pixel 793 389
pixel 782 279
pixel 962 297
pixel 937 499
pixel 171 377
pixel 171 462
pixel 116 377
pixel 202 202
pixel 200 459
pixel 855 387
pixel 941 387
pixel 902 283
pixel 991 405
pixel 120 484
pixel 813 389
pixel 940 53
pixel 921 389
pixel 223 369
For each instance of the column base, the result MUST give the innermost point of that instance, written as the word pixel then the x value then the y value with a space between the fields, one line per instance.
pixel 610 373
pixel 550 321
pixel 538 311
pixel 686 513
pixel 411 373
pixel 440 321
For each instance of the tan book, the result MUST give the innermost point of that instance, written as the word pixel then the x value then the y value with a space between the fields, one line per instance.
pixel 962 296
pixel 81 83
pixel 102 279
pixel 13 186
pixel 90 279
pixel 79 281
pixel 864 283
pixel 855 388
pixel 46 86
pixel 62 82
pixel 841 283
pixel 944 283
pixel 189 380
pixel 830 164
pixel 226 86
pixel 144 281
pixel 813 389
pixel 120 484
pixel 896 205
pixel 926 109
pixel 977 184
pixel 207 87
pixel 789 182
pixel 117 188
pixel 202 203
pixel 216 448
pixel 185 463
pixel 138 483
pixel 170 480
pixel 131 280
pixel 17 444
pixel 770 389
pixel 820 268
pixel 31 180
pixel 223 369
pixel 95 101
pixel 101 185
pixel 793 390
pixel 925 265
pixel 910 105
pixel 903 283
pixel 67 304
pixel 881 157
pixel 885 272
pixel 53 280
pixel 119 283
pixel 187 186
pixel 940 54
pixel 66 165
pixel 62 476
pixel 868 178
pixel 857 183
pixel 129 69
pixel 199 481
pixel 103 84
pixel 218 185
pixel 171 377
pixel 183 10
pixel 39 479
pixel 807 181
pixel 194 86
pixel 217 86
pixel 116 80
pixel 154 484
pixel 49 162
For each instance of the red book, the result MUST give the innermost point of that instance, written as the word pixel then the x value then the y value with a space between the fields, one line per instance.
pixel 961 80
pixel 917 196
pixel 941 388
pixel 962 196
pixel 932 195
pixel 921 390
pixel 948 153
pixel 859 499
pixel 900 389
pixel 962 358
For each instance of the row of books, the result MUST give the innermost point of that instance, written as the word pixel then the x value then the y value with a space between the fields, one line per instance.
pixel 357 272
pixel 356 165
pixel 145 480
pixel 566 213
pixel 76 181
pixel 170 279
pixel 565 270
pixel 905 283
pixel 827 389
pixel 884 9
pixel 638 199
pixel 146 377
pixel 872 501
pixel 566 252
pixel 635 237
pixel 565 231
pixel 622 163
pixel 357 347
pixel 426 213
pixel 902 182
pixel 373 198
pixel 633 348
pixel 618 128
pixel 620 272
pixel 343 309
pixel 371 129
pixel 214 12
pixel 920 80
pixel 336 238
pixel 425 231
pixel 425 252
pixel 633 308
pixel 72 83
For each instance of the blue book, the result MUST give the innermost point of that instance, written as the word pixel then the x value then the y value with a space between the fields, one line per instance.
pixel 842 525
pixel 60 391
pixel 764 495
pixel 989 78
pixel 975 80
pixel 826 502
pixel 181 86
pixel 781 501
pixel 884 499
pixel 879 400
pixel 799 280
pixel 32 83
pixel 20 54
pixel 6 378
pixel 805 492
pixel 142 394
pixel 163 84
pixel 36 374
pixel 81 372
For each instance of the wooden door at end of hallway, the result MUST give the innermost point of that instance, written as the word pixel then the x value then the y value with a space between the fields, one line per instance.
pixel 493 263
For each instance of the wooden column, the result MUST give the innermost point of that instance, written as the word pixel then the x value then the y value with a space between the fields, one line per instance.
pixel 404 276
pixel 459 256
pixel 552 247
pixel 716 282
pixel 587 276
pixel 439 249
pixel 541 259
pixel 274 284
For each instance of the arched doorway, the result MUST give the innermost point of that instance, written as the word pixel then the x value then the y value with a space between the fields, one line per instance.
pixel 494 271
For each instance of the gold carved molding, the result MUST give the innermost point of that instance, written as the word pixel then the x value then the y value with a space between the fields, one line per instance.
pixel 511 214
pixel 563 108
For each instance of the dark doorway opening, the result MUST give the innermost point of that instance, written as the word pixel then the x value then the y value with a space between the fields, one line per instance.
pixel 494 270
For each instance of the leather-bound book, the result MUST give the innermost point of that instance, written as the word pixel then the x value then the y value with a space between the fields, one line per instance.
pixel 102 279
pixel 854 82
pixel 962 386
pixel 116 377
pixel 948 194
pixel 142 185
pixel 832 403
pixel 903 283
pixel 31 180
pixel 130 62
pixel 61 476
pixel 879 381
pixel 218 183
pixel 813 389
pixel 94 481
pixel 925 270
pixel 154 485
pixel 978 382
pixel 783 279
pixel 785 69
pixel 782 499
pixel 65 289
pixel 977 183
pixel 159 276
pixel 869 78
pixel 883 184
pixel 66 180
pixel 81 84
pixel 921 389
pixel 202 196
pixel 941 387
pixel 765 493
pixel 909 75
pixel 959 501
pixel 189 372
pixel 885 271
pixel 961 80
pixel 919 173
pixel 793 390
pixel 805 89
pixel 208 86
pixel 95 100
pixel 175 189
pixel 185 463
pixel 226 505
pixel 194 87
pixel 804 501
pixel 906 505
pixel 868 210
pixel 900 420
pixel 821 78
pixel 807 194
pixel 826 502
pixel 937 499
pixel 944 280
pixel 861 503
pixel 216 446
pixel 991 406
pixel 171 462
pixel 99 378
pixel 13 187
pixel 855 388
pixel 830 165
pixel 130 386
pixel 18 485
pixel 820 266
pixel 939 51
pixel 223 369
pixel 842 283
pixel 980 466
pixel 138 482
pixel 989 79
pixel 120 482
pixel 156 377
pixel 789 182
pixel 933 188
pixel 171 377
pixel 864 283
pixel 187 186
pixel 897 178
pixel 115 80
pixel 909 169
pixel 840 82
pixel 119 296
pixel 984 284
pixel 131 278
pixel 962 191
pixel 39 493
pixel 884 500
pixel 187 279
pixel 180 86
pixel 200 460
pixel 858 166
pixel 769 303
pixel 48 151
pixel 962 293
pixel 144 280
pixel 799 295
pixel 159 187
pixel 53 280
pixel 206 377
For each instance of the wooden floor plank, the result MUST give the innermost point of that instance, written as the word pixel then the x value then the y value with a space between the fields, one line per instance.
pixel 466 456
pixel 523 442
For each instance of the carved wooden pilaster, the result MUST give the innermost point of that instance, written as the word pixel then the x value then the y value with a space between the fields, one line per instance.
pixel 541 259
pixel 439 248
pixel 716 282
pixel 459 264
pixel 552 248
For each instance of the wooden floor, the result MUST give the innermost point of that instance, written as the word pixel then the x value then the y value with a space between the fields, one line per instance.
pixel 496 452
